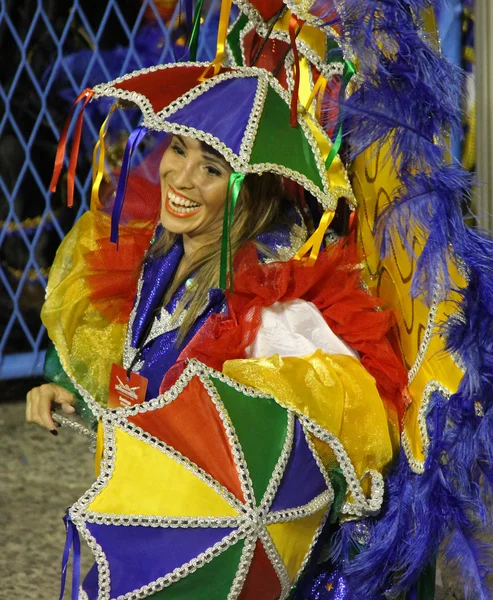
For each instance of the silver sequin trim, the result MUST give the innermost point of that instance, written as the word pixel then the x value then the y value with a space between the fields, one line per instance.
pixel 418 466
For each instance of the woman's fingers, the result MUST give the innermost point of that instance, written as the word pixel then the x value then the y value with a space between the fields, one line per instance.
pixel 45 397
pixel 40 401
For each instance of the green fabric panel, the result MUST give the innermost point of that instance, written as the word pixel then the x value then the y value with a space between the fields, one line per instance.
pixel 260 424
pixel 339 486
pixel 277 142
pixel 53 371
pixel 334 52
pixel 234 39
pixel 213 581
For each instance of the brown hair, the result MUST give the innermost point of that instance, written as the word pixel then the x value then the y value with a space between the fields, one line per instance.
pixel 259 207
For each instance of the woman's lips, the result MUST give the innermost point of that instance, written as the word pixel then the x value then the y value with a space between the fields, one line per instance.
pixel 179 206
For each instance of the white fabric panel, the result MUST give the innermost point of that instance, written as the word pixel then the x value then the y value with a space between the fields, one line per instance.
pixel 295 328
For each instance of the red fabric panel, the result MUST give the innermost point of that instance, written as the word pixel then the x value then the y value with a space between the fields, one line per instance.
pixel 163 86
pixel 262 581
pixel 333 285
pixel 270 57
pixel 192 426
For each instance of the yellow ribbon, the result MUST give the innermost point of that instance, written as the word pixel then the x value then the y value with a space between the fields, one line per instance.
pixel 321 82
pixel 98 161
pixel 315 241
pixel 222 32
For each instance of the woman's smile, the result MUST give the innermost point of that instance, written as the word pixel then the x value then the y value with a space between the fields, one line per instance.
pixel 179 205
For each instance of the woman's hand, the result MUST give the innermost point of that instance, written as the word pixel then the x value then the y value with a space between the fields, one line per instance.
pixel 40 401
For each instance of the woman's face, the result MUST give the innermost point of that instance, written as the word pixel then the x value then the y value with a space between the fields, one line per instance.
pixel 194 183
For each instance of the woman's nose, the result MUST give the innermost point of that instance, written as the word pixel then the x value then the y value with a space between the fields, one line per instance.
pixel 185 175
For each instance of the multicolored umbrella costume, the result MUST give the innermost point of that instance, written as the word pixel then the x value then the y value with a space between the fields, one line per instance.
pixel 222 519
pixel 305 77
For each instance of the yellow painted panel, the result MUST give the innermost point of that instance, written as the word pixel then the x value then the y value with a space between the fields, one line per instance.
pixel 293 540
pixel 148 482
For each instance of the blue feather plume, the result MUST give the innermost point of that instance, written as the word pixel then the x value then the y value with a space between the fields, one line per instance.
pixel 410 96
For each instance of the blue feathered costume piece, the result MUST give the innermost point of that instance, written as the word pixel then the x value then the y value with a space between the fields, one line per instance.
pixel 409 97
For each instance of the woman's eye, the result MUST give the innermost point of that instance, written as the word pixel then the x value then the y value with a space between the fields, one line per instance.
pixel 178 149
pixel 213 171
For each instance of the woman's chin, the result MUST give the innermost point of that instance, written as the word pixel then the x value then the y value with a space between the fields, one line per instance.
pixel 178 225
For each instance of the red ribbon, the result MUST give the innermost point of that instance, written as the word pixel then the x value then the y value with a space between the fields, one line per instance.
pixel 294 23
pixel 87 94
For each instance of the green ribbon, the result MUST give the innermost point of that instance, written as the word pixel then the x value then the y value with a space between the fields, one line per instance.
pixel 348 72
pixel 194 36
pixel 234 188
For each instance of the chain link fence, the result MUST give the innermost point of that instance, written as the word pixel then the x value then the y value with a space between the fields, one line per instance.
pixel 51 50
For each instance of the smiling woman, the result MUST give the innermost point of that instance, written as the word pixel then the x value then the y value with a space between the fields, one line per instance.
pixel 194 183
pixel 236 412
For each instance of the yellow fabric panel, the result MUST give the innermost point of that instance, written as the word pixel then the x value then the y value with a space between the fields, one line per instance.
pixel 145 481
pixel 325 453
pixel 375 183
pixel 315 38
pixel 335 391
pixel 293 540
pixel 73 323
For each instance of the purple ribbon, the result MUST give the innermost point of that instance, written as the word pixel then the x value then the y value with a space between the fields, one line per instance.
pixel 71 541
pixel 133 141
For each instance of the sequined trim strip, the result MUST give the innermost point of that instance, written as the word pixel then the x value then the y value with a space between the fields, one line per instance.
pixel 425 342
pixel 78 427
pixel 323 500
pixel 361 506
pixel 277 562
pixel 129 351
pixel 280 467
pixel 236 449
pixel 418 466
pixel 243 568
pixel 170 522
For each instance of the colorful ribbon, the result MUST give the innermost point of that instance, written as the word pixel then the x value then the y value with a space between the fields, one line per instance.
pixel 86 94
pixel 295 26
pixel 98 162
pixel 319 85
pixel 194 36
pixel 314 243
pixel 72 542
pixel 234 188
pixel 222 32
pixel 348 72
pixel 133 141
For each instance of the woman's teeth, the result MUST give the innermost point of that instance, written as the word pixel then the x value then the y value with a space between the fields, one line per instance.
pixel 180 204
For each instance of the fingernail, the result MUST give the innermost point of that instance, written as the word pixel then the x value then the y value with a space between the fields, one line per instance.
pixel 53 431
